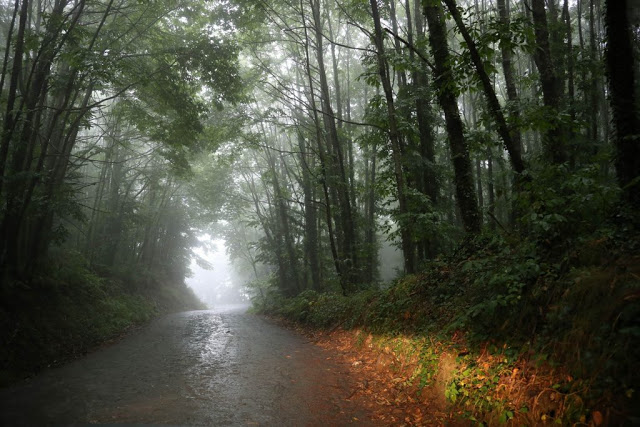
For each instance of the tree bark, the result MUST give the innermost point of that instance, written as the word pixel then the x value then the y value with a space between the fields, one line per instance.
pixel 624 105
pixel 11 115
pixel 555 138
pixel 323 164
pixel 310 215
pixel 348 226
pixel 513 148
pixel 447 98
pixel 509 78
pixel 428 181
pixel 408 249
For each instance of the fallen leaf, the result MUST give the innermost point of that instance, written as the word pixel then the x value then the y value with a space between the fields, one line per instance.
pixel 597 418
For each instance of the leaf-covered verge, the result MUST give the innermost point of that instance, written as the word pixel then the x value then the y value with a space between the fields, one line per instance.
pixel 69 309
pixel 505 330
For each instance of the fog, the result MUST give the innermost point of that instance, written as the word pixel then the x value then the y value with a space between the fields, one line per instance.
pixel 215 284
pixel 391 261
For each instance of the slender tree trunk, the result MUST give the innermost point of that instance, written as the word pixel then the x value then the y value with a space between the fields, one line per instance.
pixel 465 194
pixel 513 147
pixel 509 78
pixel 323 165
pixel 490 189
pixel 310 214
pixel 402 75
pixel 348 225
pixel 427 175
pixel 370 214
pixel 270 235
pixel 7 48
pixel 11 115
pixel 479 187
pixel 555 138
pixel 96 217
pixel 396 150
pixel 282 218
pixel 593 87
pixel 566 17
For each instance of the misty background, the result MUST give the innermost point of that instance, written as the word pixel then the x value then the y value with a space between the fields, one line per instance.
pixel 216 280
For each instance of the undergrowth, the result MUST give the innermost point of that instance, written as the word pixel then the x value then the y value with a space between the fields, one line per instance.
pixel 536 335
pixel 69 309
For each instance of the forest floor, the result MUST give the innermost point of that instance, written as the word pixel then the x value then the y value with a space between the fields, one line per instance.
pixel 380 382
pixel 383 378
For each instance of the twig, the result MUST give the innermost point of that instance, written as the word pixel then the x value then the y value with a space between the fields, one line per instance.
pixel 493 217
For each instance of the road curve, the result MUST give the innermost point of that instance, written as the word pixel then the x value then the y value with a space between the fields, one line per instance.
pixel 214 368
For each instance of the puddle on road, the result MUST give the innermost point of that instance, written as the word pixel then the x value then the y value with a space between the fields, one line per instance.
pixel 211 352
pixel 195 368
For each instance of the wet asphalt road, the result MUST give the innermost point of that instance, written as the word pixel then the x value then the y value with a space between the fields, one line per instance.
pixel 214 368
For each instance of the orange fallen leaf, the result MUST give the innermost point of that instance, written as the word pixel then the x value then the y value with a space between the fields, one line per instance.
pixel 597 418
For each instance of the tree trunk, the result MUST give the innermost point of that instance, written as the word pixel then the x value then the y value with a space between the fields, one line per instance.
pixel 593 86
pixel 283 226
pixel 310 214
pixel 479 187
pixel 509 78
pixel 428 182
pixel 323 165
pixel 11 116
pixel 465 193
pixel 370 214
pixel 396 150
pixel 620 70
pixel 555 137
pixel 490 189
pixel 348 225
pixel 513 147
pixel 566 17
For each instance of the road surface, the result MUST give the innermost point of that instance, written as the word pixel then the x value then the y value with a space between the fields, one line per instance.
pixel 214 368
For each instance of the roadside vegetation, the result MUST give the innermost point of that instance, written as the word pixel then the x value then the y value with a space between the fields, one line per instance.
pixel 69 310
pixel 503 329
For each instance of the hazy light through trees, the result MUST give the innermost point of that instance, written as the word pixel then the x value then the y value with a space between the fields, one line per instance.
pixel 215 284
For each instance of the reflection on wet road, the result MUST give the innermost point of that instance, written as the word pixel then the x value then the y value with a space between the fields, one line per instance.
pixel 192 368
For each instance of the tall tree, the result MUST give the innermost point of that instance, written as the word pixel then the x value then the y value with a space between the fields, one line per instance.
pixel 509 74
pixel 621 66
pixel 347 230
pixel 447 97
pixel 396 146
pixel 512 146
pixel 555 138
